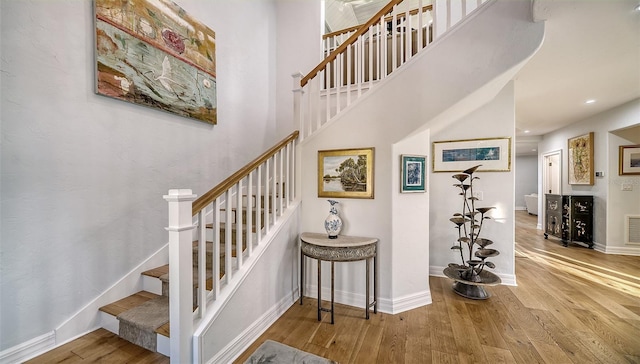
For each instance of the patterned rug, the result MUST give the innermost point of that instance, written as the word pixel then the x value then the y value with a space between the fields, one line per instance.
pixel 276 353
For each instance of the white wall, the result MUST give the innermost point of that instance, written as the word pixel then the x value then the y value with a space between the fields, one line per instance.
pixel 606 213
pixel 497 119
pixel 526 168
pixel 420 99
pixel 83 175
pixel 299 35
pixel 619 202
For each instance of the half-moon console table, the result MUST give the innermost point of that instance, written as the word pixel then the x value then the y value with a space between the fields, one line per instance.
pixel 342 249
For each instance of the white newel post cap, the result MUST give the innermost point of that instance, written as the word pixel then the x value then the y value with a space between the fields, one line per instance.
pixel 176 195
pixel 180 204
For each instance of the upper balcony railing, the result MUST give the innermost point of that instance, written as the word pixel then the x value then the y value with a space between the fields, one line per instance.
pixel 357 58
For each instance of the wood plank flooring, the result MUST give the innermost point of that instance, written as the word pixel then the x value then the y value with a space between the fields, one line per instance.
pixel 571 305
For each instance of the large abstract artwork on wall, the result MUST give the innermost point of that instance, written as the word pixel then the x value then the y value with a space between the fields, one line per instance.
pixel 151 52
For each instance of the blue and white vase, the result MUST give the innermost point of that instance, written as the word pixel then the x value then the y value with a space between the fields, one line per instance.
pixel 333 222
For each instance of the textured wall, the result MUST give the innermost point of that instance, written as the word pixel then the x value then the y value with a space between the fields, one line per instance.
pixel 83 175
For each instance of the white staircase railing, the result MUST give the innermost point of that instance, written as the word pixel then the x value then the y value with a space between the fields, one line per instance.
pixel 358 58
pixel 211 238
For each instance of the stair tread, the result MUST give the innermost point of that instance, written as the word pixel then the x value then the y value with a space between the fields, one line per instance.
pixel 149 315
pixel 127 303
pixel 157 272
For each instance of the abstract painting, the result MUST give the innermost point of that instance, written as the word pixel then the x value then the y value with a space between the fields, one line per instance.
pixel 581 160
pixel 152 53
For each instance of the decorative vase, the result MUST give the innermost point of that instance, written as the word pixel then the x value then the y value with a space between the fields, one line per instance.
pixel 333 222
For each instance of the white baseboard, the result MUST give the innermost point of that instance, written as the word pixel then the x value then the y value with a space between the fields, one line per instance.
pixel 520 208
pixel 237 346
pixel 385 305
pixel 88 318
pixel 618 250
pixel 27 350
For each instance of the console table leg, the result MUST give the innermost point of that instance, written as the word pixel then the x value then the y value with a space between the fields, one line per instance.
pixel 332 275
pixel 375 284
pixel 367 290
pixel 301 276
pixel 319 290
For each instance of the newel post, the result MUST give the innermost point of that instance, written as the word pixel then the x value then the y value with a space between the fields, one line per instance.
pixel 297 103
pixel 180 274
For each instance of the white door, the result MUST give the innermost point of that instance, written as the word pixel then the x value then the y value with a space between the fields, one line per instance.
pixel 551 180
pixel 551 172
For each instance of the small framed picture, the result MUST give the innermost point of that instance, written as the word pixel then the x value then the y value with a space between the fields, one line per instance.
pixel 413 173
pixel 629 159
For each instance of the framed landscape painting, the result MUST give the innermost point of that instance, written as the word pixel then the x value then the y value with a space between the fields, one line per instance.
pixel 413 173
pixel 629 160
pixel 345 173
pixel 581 160
pixel 152 53
pixel 492 154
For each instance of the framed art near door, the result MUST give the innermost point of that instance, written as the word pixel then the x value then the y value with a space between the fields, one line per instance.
pixel 629 160
pixel 580 160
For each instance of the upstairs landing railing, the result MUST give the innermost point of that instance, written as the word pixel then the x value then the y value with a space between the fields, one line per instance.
pixel 211 238
pixel 357 58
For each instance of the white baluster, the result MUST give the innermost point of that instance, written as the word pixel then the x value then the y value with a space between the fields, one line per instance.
pixel 228 221
pixel 216 248
pixel 239 224
pixel 259 204
pixel 250 217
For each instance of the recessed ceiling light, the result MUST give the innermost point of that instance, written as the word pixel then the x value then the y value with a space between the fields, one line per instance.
pixel 637 8
pixel 527 131
pixel 591 101
pixel 533 150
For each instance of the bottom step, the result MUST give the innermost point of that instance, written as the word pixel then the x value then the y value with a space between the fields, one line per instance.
pixel 120 307
pixel 138 325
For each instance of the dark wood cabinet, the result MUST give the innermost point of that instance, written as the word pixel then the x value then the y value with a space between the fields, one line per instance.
pixel 569 218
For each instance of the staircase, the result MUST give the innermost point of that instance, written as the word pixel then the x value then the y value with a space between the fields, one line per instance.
pixel 225 227
pixel 143 317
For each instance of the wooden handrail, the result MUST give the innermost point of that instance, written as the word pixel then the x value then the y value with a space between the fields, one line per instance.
pixel 341 31
pixel 389 18
pixel 363 29
pixel 223 186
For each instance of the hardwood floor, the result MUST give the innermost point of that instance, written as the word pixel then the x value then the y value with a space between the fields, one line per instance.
pixel 100 346
pixel 571 305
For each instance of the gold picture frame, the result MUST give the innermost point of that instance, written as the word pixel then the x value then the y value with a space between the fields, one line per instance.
pixel 492 154
pixel 346 173
pixel 580 160
pixel 629 160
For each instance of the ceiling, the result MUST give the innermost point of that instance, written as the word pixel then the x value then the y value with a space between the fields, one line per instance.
pixel 591 51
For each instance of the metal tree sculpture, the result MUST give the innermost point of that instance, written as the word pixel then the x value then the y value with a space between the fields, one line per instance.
pixel 473 249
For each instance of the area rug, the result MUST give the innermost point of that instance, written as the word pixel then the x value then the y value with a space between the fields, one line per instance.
pixel 276 353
